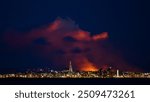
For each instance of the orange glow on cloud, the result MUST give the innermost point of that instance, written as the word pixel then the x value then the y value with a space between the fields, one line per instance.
pixel 55 25
pixel 81 35
pixel 63 39
pixel 103 35
pixel 88 66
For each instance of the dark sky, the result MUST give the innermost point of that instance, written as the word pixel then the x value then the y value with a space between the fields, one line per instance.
pixel 126 21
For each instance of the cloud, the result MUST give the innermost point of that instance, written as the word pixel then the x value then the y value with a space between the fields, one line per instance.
pixel 63 40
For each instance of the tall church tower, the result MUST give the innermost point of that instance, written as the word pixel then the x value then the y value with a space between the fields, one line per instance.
pixel 70 67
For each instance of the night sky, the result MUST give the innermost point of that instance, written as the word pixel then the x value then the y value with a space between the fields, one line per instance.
pixel 126 21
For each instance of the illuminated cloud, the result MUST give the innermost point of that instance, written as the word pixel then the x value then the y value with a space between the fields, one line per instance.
pixel 63 40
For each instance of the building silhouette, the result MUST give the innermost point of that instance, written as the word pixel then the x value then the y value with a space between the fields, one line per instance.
pixel 70 67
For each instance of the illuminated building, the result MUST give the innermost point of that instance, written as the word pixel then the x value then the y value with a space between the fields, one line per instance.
pixel 70 67
pixel 117 73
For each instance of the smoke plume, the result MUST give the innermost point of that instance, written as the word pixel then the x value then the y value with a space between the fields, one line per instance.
pixel 63 40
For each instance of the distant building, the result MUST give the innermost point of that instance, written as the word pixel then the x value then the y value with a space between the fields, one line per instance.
pixel 70 67
pixel 117 73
